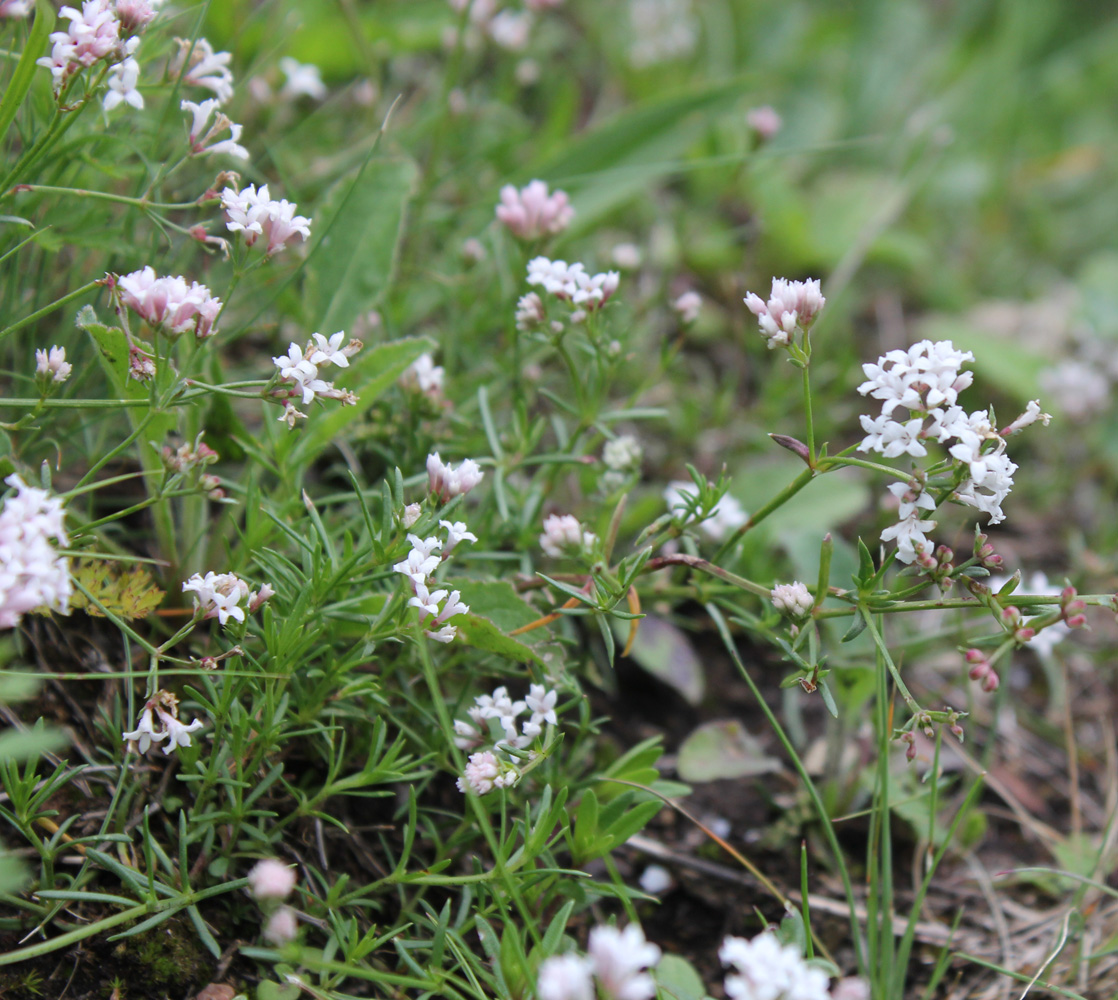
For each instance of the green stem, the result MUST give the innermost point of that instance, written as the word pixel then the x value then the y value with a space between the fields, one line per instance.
pixel 809 785
pixel 805 371
pixel 879 641
pixel 75 404
pixel 48 309
pixel 107 923
pixel 774 504
pixel 106 196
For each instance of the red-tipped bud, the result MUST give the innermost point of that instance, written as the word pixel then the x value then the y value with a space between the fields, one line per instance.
pixel 1024 634
pixel 990 682
pixel 975 656
pixel 1077 621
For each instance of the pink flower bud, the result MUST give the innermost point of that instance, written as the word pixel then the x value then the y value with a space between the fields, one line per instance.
pixel 1077 621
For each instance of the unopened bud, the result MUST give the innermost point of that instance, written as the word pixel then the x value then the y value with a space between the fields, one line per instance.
pixel 1077 621
pixel 793 445
pixel 1024 634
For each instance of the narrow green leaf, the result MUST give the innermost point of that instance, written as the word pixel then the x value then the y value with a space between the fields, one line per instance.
pixel 24 74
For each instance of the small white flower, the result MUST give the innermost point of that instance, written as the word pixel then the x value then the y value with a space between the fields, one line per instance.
pixel 202 139
pixel 218 595
pixel 301 80
pixel 145 732
pixel 423 375
pixel 178 734
pixel 565 977
pixel 329 352
pixel 542 702
pixel 124 78
pixel 200 66
pixel 271 879
pixel 411 514
pixel 456 532
pixel 626 256
pixel 619 957
pixel 417 566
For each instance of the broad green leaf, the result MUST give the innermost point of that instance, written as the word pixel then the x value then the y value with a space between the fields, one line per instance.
pixel 622 156
pixel 723 749
pixel 371 373
pixel 24 74
pixel 362 224
pixel 495 610
pixel 15 745
pixel 1002 360
pixel 678 979
pixel 666 653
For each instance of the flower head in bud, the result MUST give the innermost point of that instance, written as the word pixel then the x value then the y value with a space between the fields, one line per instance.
pixel 793 599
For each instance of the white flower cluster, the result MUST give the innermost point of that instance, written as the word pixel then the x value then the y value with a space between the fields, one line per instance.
pixel 764 969
pixel 300 366
pixel 618 960
pixel 509 29
pixel 663 30
pixel 159 721
pixel 439 606
pixel 203 136
pixel 446 481
pixel 533 212
pixel 530 311
pixel 792 306
pixel 539 702
pixel 570 283
pixel 563 535
pixel 925 381
pixel 200 66
pixel 32 573
pixel 51 366
pixel 423 375
pixel 622 454
pixel 728 515
pixel 255 215
pixel 224 596
pixel 15 8
pixel 793 599
pixel 169 304
pixel 101 30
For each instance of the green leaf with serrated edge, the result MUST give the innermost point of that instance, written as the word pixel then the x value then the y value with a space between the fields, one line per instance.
pixel 369 375
pixel 362 224
pixel 24 74
pixel 678 980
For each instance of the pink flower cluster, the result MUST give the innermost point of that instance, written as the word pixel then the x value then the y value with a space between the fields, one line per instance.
pixel 532 212
pixel 32 573
pixel 446 481
pixel 792 306
pixel 91 35
pixel 255 215
pixel 563 535
pixel 170 304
